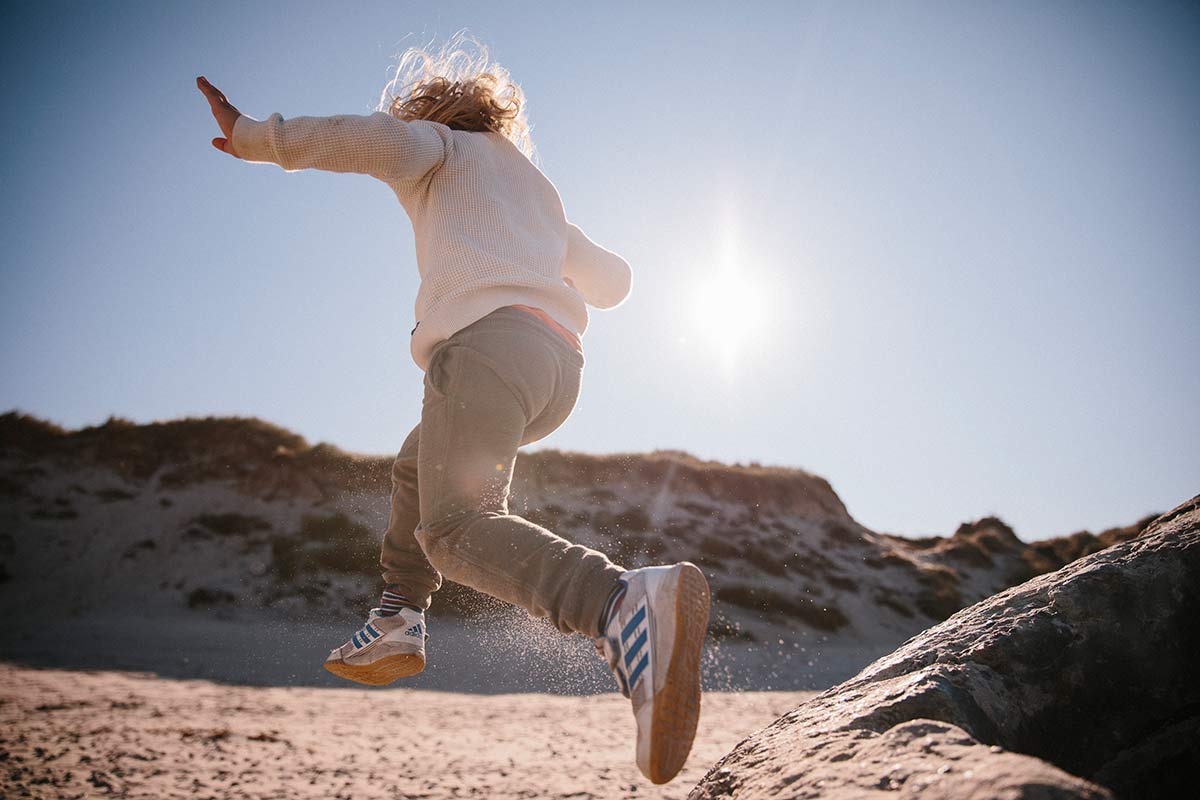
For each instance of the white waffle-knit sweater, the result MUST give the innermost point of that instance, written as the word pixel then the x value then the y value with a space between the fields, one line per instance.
pixel 490 228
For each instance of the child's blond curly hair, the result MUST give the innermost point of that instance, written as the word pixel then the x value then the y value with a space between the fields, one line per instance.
pixel 456 86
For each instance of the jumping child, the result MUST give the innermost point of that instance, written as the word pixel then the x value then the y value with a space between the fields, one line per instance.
pixel 499 315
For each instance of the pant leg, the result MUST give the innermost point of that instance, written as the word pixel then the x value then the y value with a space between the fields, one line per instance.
pixel 403 561
pixel 499 383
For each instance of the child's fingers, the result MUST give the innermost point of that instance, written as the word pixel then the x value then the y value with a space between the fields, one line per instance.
pixel 221 144
pixel 213 94
pixel 214 102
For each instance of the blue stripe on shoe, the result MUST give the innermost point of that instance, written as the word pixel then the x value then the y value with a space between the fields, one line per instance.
pixel 631 626
pixel 635 648
pixel 374 633
pixel 355 640
pixel 637 671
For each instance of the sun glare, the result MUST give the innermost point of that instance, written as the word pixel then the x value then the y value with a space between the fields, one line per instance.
pixel 729 309
pixel 728 315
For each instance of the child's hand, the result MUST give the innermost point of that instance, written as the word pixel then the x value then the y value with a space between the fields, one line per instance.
pixel 223 112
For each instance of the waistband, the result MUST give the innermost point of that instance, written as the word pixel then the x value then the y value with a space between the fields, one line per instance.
pixel 567 334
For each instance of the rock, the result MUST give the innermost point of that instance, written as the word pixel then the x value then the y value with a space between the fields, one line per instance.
pixel 1081 683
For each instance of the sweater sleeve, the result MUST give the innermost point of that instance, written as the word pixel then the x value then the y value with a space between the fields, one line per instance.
pixel 601 276
pixel 377 144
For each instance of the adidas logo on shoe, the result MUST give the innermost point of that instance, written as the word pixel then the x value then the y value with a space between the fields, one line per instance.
pixel 364 637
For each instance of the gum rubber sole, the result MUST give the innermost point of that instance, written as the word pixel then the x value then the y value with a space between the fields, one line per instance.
pixel 381 672
pixel 677 705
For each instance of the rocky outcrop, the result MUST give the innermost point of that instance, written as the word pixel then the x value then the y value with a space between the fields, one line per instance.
pixel 1081 683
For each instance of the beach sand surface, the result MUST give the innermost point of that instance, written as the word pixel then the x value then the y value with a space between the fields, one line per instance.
pixel 118 734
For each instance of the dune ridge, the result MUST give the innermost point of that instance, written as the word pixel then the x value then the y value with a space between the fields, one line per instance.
pixel 240 520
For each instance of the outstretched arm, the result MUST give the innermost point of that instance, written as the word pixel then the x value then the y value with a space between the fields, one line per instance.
pixel 375 144
pixel 601 276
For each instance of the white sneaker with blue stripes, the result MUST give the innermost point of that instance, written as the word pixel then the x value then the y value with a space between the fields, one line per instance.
pixel 653 641
pixel 386 648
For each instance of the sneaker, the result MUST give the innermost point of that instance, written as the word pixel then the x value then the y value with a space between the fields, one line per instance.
pixel 385 649
pixel 652 642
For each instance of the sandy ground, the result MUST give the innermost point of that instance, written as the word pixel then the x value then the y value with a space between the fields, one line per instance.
pixel 93 734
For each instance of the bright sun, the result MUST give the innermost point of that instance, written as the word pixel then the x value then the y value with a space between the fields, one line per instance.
pixel 729 313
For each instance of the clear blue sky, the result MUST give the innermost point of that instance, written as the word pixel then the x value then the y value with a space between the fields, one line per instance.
pixel 963 237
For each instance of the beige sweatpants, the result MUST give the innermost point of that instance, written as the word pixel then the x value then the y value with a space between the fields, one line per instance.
pixel 499 383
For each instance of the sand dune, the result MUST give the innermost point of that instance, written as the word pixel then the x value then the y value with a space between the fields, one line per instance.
pixel 215 535
pixel 76 734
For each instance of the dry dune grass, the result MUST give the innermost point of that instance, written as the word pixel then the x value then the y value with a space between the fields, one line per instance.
pixel 176 450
